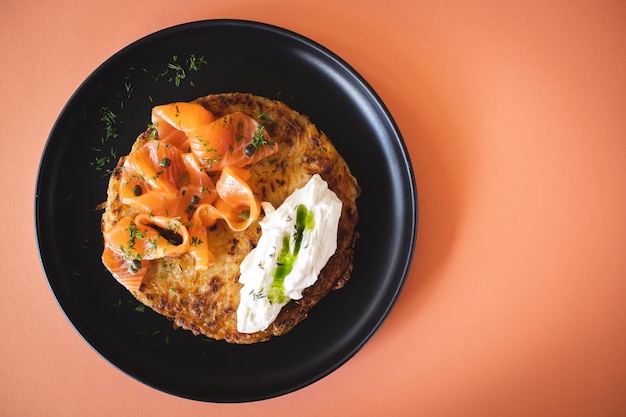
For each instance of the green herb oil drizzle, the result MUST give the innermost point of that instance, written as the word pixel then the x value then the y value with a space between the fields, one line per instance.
pixel 288 255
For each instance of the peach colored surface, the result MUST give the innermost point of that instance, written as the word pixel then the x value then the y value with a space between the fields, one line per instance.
pixel 514 114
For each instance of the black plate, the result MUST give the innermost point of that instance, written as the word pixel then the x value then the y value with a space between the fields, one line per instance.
pixel 240 56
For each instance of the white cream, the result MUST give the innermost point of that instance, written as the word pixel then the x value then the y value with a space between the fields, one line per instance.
pixel 260 305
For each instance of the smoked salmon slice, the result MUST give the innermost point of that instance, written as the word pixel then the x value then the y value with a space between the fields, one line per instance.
pixel 237 202
pixel 159 165
pixel 122 269
pixel 174 121
pixel 180 116
pixel 147 237
pixel 232 140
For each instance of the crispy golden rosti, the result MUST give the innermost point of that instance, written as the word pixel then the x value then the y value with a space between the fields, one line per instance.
pixel 206 302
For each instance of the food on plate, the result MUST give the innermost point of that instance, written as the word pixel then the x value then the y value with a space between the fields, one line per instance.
pixel 232 215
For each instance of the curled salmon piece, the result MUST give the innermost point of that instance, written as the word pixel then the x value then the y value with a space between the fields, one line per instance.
pixel 234 140
pixel 125 239
pixel 198 245
pixel 157 165
pixel 199 184
pixel 201 192
pixel 176 138
pixel 164 236
pixel 157 202
pixel 236 204
pixel 175 121
pixel 124 270
pixel 147 237
pixel 131 241
pixel 121 256
pixel 180 116
pixel 164 189
pixel 237 201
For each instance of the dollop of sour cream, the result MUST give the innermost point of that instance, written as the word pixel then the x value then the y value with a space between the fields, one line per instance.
pixel 298 238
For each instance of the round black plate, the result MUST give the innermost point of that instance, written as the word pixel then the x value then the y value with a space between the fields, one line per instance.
pixel 102 120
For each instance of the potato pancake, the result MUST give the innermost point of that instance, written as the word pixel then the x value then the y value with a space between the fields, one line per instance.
pixel 204 300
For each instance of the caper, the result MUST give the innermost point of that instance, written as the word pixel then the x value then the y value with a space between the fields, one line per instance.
pixel 134 266
pixel 137 191
pixel 165 162
pixel 249 150
pixel 195 199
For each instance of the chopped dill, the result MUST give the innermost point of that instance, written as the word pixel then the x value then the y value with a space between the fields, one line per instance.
pixel 196 63
pixel 129 89
pixel 110 121
pixel 257 295
pixel 178 71
pixel 258 139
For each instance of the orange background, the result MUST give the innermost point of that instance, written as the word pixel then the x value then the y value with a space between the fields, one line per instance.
pixel 514 114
